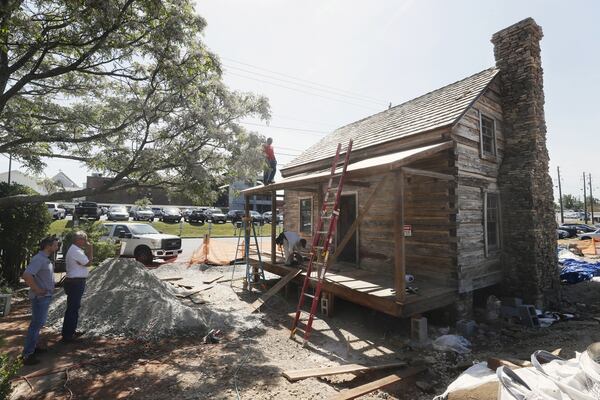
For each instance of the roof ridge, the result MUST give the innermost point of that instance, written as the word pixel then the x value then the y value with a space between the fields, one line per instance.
pixel 418 97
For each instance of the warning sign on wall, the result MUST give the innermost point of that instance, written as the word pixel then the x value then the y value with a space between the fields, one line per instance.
pixel 407 230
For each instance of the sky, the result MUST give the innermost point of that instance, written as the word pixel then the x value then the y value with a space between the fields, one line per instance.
pixel 326 63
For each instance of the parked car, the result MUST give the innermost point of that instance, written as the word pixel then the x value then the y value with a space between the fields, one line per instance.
pixel 157 211
pixel 143 242
pixel 571 231
pixel 170 214
pixel 69 208
pixel 257 218
pixel 186 213
pixel 87 209
pixel 267 215
pixel 215 215
pixel 117 213
pixel 197 217
pixel 143 214
pixel 589 235
pixel 581 228
pixel 235 215
pixel 562 234
pixel 55 211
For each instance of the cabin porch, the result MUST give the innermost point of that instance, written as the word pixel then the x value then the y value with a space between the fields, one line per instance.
pixel 400 223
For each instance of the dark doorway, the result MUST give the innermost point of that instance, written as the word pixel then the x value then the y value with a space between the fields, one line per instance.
pixel 347 217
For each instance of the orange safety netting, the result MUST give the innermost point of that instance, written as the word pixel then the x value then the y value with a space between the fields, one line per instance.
pixel 589 247
pixel 212 253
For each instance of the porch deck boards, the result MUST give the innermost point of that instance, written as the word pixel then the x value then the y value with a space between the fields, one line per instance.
pixel 375 290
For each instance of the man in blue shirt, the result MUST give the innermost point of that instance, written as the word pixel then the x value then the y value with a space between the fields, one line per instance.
pixel 39 276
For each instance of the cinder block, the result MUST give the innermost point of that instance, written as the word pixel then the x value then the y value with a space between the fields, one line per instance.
pixel 418 329
pixel 528 316
pixel 466 327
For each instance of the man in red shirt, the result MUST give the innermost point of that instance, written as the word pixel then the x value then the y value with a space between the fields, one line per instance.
pixel 269 172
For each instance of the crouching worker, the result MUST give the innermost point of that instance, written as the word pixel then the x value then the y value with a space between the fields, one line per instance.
pixel 39 276
pixel 292 245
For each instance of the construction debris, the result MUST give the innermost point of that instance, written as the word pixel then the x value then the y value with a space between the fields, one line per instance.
pixel 276 288
pixel 378 384
pixel 297 375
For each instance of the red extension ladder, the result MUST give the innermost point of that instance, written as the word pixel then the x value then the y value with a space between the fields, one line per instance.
pixel 319 252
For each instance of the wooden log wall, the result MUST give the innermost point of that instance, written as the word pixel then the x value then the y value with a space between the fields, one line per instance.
pixel 430 209
pixel 291 218
pixel 476 174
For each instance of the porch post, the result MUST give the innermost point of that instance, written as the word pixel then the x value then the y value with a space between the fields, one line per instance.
pixel 399 254
pixel 273 226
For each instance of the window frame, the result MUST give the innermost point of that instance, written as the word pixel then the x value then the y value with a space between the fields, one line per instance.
pixel 312 219
pixel 491 250
pixel 485 154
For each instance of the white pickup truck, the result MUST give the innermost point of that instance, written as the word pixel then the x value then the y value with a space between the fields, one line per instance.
pixel 142 241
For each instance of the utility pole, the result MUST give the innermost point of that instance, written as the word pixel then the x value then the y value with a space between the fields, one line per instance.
pixel 560 199
pixel 9 167
pixel 591 197
pixel 585 219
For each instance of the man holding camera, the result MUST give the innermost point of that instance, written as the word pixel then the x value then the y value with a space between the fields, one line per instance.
pixel 78 259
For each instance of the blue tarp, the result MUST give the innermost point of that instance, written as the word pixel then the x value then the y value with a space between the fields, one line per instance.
pixel 575 271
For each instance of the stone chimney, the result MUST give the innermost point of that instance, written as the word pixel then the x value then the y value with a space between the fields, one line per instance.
pixel 527 205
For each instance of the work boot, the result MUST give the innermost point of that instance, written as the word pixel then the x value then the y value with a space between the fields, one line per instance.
pixel 30 360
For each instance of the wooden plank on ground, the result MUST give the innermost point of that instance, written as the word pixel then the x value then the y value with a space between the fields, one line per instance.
pixel 212 280
pixel 276 288
pixel 171 278
pixel 340 369
pixel 378 384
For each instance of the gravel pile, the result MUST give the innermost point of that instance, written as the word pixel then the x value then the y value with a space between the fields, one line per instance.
pixel 123 299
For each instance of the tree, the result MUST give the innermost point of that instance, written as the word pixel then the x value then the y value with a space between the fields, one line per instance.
pixel 125 87
pixel 21 229
pixel 570 202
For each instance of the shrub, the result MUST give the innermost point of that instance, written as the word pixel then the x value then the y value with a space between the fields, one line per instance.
pixel 21 229
pixel 8 370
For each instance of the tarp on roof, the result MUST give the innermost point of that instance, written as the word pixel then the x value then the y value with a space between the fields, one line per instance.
pixel 441 108
pixel 361 168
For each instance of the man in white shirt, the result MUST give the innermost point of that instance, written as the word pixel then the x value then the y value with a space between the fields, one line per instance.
pixel 292 244
pixel 77 262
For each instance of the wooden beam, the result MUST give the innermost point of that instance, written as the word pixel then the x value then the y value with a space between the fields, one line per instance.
pixel 358 183
pixel 361 215
pixel 303 189
pixel 276 288
pixel 430 174
pixel 273 227
pixel 296 375
pixel 399 247
pixel 378 384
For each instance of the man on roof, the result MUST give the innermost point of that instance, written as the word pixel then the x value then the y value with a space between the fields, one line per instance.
pixel 269 172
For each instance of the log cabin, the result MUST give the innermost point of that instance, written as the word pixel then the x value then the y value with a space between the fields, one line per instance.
pixel 451 188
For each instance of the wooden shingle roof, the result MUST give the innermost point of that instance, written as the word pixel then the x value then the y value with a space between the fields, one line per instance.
pixel 436 109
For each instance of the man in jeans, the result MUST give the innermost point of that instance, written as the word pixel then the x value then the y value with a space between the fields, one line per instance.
pixel 78 259
pixel 39 276
pixel 269 173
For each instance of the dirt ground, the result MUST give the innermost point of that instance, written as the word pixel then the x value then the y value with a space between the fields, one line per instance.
pixel 249 360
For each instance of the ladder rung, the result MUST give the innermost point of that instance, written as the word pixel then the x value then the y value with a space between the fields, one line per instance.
pixel 322 232
pixel 332 189
pixel 312 296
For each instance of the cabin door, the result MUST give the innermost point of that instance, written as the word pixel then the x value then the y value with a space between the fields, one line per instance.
pixel 347 217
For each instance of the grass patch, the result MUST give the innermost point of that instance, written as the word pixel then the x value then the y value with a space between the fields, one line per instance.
pixel 189 230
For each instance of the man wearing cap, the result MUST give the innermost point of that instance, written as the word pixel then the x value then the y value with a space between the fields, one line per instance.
pixel 39 276
pixel 77 262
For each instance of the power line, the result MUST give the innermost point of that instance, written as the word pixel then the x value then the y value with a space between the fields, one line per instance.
pixel 303 80
pixel 328 125
pixel 304 131
pixel 302 91
pixel 336 93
